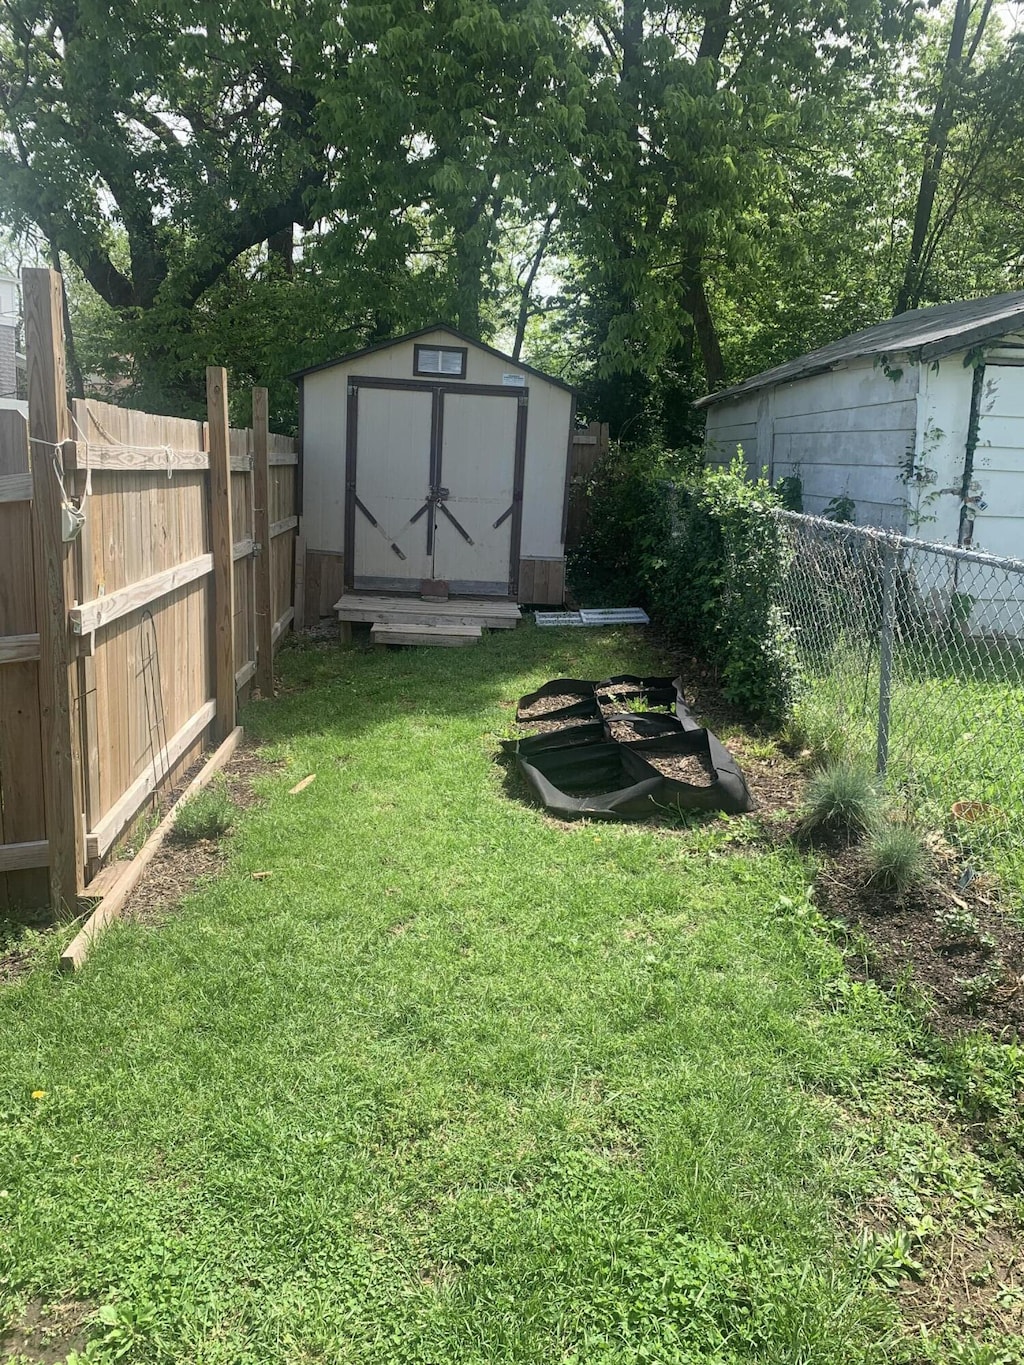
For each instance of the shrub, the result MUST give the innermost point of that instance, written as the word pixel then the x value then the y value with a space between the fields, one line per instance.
pixel 207 815
pixel 842 802
pixel 700 552
pixel 896 858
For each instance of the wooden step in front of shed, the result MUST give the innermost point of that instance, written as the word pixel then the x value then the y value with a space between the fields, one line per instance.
pixel 486 613
pixel 443 634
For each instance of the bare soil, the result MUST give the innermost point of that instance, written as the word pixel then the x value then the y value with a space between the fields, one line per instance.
pixel 692 768
pixel 180 867
pixel 175 871
pixel 46 1333
pixel 973 1283
pixel 971 979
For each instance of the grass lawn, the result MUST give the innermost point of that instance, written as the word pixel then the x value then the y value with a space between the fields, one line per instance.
pixel 458 1084
pixel 955 734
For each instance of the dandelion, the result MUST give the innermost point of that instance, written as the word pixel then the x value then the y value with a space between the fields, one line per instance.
pixel 38 1094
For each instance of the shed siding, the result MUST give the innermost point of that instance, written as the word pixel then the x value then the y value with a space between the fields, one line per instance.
pixel 324 433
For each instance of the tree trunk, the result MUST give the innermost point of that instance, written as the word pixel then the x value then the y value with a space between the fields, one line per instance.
pixel 954 69
pixel 524 298
pixel 706 332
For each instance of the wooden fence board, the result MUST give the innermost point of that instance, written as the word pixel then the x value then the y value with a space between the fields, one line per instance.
pixel 22 816
pixel 160 590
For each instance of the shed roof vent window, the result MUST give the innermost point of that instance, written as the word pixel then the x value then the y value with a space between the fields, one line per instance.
pixel 446 360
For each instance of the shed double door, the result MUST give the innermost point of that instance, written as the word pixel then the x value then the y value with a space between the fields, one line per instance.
pixel 434 487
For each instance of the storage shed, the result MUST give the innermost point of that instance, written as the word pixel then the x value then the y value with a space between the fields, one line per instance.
pixel 919 421
pixel 433 466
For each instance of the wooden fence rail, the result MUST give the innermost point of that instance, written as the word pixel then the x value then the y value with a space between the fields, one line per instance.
pixel 124 651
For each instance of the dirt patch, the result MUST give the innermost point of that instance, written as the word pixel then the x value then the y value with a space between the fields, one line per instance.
pixel 47 1332
pixel 180 867
pixel 14 963
pixel 953 941
pixel 175 872
pixel 970 1283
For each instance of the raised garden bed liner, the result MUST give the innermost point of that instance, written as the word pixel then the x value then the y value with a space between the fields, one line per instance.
pixel 601 779
pixel 626 687
pixel 579 771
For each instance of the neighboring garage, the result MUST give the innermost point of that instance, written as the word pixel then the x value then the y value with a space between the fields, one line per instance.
pixel 433 465
pixel 918 421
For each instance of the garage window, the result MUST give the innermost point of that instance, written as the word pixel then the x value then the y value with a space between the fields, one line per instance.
pixel 447 360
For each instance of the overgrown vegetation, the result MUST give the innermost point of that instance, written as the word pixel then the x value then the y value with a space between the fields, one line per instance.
pixel 695 547
pixel 485 1087
pixel 652 200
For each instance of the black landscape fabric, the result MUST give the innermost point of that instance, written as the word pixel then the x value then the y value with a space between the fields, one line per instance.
pixel 578 769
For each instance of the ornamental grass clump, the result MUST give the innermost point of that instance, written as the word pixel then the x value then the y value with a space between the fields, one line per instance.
pixel 895 858
pixel 207 815
pixel 843 802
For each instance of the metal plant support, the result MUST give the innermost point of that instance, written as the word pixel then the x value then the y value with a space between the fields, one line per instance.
pixel 910 656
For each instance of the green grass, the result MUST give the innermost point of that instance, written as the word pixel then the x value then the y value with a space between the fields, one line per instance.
pixel 955 734
pixel 457 1085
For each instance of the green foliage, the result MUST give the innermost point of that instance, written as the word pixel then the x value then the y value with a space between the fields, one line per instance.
pixel 895 858
pixel 207 815
pixel 842 801
pixel 696 548
pixel 841 508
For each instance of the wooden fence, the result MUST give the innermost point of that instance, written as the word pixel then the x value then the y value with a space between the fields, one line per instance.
pixel 589 445
pixel 124 651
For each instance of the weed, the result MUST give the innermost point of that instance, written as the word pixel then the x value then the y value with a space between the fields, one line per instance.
pixel 842 802
pixel 978 990
pixel 957 924
pixel 207 815
pixel 641 706
pixel 896 858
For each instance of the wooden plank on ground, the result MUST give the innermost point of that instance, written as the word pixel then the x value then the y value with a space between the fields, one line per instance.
pixel 114 896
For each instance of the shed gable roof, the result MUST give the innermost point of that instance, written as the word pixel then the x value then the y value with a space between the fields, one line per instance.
pixel 926 333
pixel 425 331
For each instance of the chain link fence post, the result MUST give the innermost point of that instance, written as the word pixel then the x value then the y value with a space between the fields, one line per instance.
pixel 886 636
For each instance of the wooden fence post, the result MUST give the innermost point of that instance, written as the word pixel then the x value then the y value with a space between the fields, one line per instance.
pixel 49 427
pixel 261 530
pixel 222 545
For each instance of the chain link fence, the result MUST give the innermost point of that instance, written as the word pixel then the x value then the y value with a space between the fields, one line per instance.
pixel 911 658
